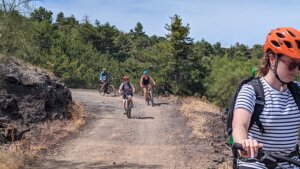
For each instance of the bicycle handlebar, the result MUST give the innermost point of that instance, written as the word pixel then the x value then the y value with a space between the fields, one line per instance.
pixel 267 157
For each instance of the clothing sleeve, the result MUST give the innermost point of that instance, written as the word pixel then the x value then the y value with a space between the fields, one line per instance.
pixel 246 98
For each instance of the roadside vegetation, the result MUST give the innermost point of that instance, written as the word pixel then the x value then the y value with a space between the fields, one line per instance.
pixel 44 136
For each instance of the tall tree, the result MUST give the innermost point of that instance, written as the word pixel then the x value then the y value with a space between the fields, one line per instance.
pixel 179 71
pixel 41 15
pixel 42 24
pixel 140 40
pixel 15 33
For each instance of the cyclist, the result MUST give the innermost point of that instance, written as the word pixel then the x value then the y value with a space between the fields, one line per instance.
pixel 145 81
pixel 280 117
pixel 104 78
pixel 127 89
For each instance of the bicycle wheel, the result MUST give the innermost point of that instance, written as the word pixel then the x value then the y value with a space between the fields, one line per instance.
pixel 151 98
pixel 128 111
pixel 148 99
pixel 111 90
pixel 101 89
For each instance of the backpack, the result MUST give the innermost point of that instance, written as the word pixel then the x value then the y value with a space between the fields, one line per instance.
pixel 128 85
pixel 258 108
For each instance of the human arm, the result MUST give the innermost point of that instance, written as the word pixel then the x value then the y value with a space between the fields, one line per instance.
pixel 121 88
pixel 141 82
pixel 244 107
pixel 133 88
pixel 240 125
pixel 152 80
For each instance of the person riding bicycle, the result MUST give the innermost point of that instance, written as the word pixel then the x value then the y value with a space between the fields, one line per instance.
pixel 280 117
pixel 104 78
pixel 145 81
pixel 127 89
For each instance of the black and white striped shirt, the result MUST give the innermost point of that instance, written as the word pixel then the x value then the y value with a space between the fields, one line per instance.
pixel 280 119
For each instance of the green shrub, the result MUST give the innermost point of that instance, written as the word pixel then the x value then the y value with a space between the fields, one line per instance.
pixel 225 76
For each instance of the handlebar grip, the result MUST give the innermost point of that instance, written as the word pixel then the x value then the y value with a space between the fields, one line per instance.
pixel 238 146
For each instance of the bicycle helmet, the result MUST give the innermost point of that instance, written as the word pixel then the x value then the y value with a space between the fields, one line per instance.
pixel 285 41
pixel 104 69
pixel 146 72
pixel 125 78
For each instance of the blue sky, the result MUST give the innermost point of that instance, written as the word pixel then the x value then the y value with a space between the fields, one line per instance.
pixel 225 21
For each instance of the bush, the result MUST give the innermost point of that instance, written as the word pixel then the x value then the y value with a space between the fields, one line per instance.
pixel 225 76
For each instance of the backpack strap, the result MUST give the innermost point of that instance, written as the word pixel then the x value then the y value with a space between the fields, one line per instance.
pixel 259 103
pixel 294 89
pixel 232 104
pixel 258 108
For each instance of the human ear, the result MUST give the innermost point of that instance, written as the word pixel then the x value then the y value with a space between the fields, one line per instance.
pixel 272 60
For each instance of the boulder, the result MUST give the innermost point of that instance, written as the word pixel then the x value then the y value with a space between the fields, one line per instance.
pixel 30 95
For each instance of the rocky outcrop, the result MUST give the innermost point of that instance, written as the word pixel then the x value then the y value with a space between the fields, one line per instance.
pixel 30 95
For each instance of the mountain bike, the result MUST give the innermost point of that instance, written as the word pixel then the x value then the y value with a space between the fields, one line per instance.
pixel 150 95
pixel 128 106
pixel 106 88
pixel 270 159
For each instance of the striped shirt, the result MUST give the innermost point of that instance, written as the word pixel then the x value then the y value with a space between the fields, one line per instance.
pixel 280 119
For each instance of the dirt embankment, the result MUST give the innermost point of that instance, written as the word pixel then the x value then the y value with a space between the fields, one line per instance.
pixel 207 124
pixel 36 112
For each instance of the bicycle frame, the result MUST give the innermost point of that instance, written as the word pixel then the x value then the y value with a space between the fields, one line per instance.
pixel 128 106
pixel 150 95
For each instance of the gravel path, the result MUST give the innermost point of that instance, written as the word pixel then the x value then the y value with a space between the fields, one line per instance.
pixel 155 137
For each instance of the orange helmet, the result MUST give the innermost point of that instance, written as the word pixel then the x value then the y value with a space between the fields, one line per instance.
pixel 125 78
pixel 284 41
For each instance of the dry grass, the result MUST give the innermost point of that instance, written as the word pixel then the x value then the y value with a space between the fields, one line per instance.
pixel 9 161
pixel 226 165
pixel 201 113
pixel 206 122
pixel 77 115
pixel 51 133
pixel 40 138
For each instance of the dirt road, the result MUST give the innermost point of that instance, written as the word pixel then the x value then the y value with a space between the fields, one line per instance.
pixel 156 137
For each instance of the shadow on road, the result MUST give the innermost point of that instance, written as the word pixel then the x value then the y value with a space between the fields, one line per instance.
pixel 139 117
pixel 159 104
pixel 60 164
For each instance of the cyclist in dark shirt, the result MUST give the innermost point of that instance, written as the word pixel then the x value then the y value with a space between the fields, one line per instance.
pixel 146 79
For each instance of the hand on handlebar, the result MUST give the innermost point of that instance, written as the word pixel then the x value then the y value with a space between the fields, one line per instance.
pixel 270 159
pixel 251 148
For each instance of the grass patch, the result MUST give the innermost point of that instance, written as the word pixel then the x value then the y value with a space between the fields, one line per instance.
pixel 8 160
pixel 206 121
pixel 226 165
pixel 51 133
pixel 41 138
pixel 201 114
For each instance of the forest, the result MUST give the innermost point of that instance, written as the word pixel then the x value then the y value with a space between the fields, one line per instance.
pixel 77 50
